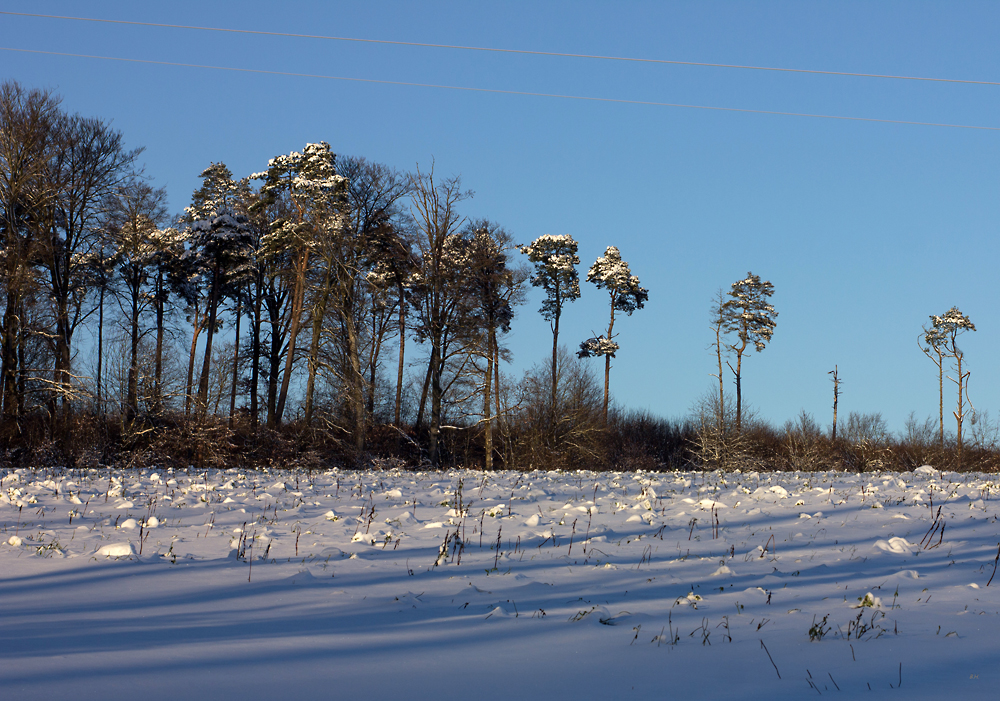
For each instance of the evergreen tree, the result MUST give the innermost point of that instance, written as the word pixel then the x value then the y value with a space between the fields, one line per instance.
pixel 219 249
pixel 749 315
pixel 611 273
pixel 493 286
pixel 315 192
pixel 555 262
pixel 946 329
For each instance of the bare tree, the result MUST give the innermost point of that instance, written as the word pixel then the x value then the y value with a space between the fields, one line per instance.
pixel 135 210
pixel 89 161
pixel 439 298
pixel 27 144
pixel 836 399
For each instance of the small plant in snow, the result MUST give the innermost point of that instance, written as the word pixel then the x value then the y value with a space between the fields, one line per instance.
pixel 691 600
pixel 868 601
pixel 818 630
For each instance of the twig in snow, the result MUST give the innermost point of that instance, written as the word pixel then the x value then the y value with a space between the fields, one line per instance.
pixel 770 658
pixel 995 561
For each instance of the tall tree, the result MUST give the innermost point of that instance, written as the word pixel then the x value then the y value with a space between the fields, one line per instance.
pixel 438 295
pixel 315 191
pixel 750 316
pixel 135 211
pixel 611 273
pixel 555 262
pixel 89 161
pixel 27 144
pixel 378 229
pixel 948 327
pixel 493 285
pixel 221 245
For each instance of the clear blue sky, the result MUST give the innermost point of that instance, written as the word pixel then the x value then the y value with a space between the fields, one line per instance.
pixel 864 228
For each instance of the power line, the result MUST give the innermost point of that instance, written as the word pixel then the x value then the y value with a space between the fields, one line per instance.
pixel 498 91
pixel 505 51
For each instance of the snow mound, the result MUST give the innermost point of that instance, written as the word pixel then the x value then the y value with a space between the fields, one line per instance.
pixel 115 550
pixel 898 546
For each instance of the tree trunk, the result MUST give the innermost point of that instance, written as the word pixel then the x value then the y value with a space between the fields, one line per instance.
pixel 423 395
pixel 487 383
pixel 100 352
pixel 960 412
pixel 356 386
pixel 318 314
pixel 198 323
pixel 836 398
pixel 206 365
pixel 9 360
pixel 132 392
pixel 22 366
pixel 255 360
pixel 436 397
pixel 62 363
pixel 236 360
pixel 607 361
pixel 721 411
pixel 373 363
pixel 555 368
pixel 402 343
pixel 273 370
pixel 940 364
pixel 298 301
pixel 739 388
pixel 160 332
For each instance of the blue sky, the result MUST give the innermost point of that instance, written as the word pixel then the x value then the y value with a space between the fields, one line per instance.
pixel 864 228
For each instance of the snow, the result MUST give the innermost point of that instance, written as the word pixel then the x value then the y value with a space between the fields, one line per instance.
pixel 390 584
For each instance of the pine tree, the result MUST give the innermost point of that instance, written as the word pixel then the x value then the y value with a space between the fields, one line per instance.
pixel 220 250
pixel 945 330
pixel 316 193
pixel 494 287
pixel 611 273
pixel 555 262
pixel 749 315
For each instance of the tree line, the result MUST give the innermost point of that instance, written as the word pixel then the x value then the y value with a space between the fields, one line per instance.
pixel 275 318
pixel 273 299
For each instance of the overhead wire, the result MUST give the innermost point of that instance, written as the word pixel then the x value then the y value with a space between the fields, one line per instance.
pixel 504 50
pixel 499 91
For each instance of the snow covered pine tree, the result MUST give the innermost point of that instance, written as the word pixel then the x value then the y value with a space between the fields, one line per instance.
pixel 611 273
pixel 942 338
pixel 555 262
pixel 748 314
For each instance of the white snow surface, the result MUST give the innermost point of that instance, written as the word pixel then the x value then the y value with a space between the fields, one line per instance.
pixel 390 584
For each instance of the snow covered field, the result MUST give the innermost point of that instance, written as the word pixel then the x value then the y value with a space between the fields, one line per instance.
pixel 400 584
